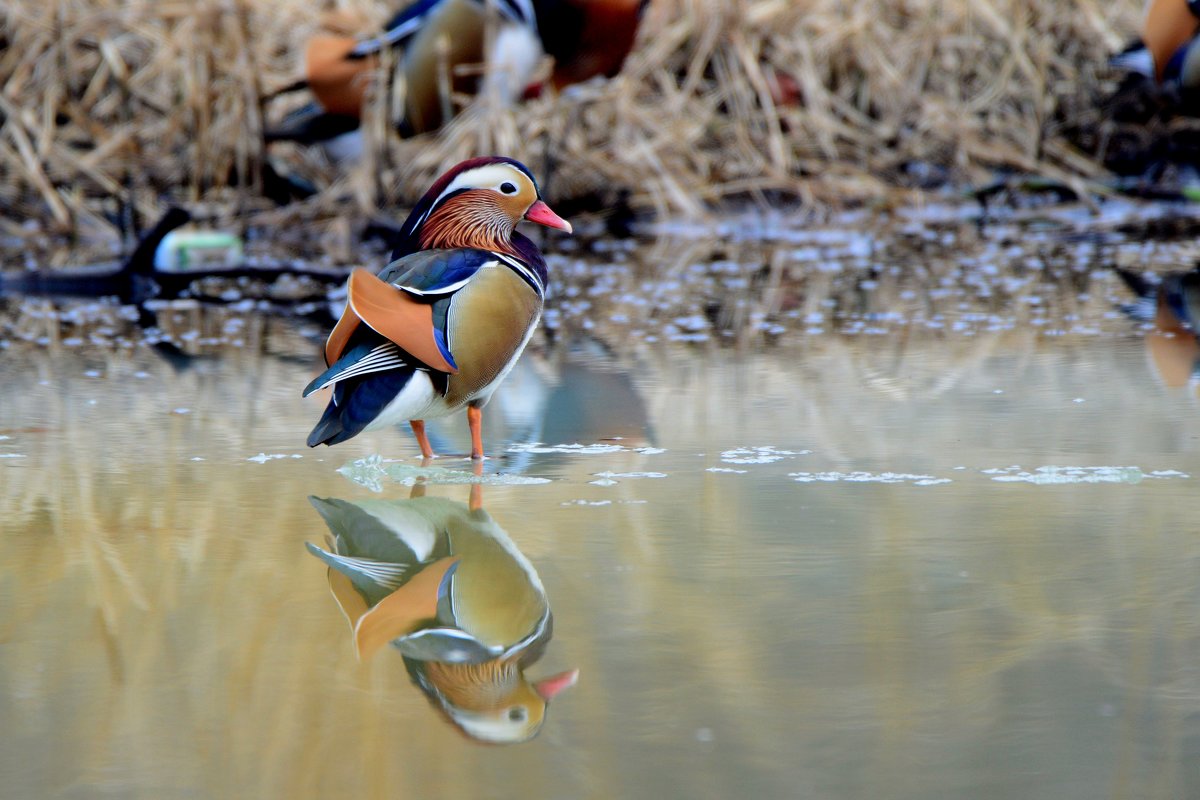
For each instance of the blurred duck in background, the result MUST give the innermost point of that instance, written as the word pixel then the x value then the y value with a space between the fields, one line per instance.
pixel 1168 51
pixel 448 588
pixel 1172 305
pixel 443 50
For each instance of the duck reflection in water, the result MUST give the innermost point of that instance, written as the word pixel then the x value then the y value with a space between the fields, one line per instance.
pixel 1172 304
pixel 445 585
pixel 575 393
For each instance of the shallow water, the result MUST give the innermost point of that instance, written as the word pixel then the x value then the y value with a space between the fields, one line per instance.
pixel 935 562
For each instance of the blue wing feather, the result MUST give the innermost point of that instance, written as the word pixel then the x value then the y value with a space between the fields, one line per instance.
pixel 435 272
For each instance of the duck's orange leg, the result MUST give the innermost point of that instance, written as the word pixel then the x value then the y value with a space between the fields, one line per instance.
pixel 475 421
pixel 418 429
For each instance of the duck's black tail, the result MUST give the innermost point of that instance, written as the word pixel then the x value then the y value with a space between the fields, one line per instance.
pixel 329 430
pixel 356 403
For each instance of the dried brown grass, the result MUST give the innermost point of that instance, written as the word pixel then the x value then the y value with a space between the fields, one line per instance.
pixel 106 103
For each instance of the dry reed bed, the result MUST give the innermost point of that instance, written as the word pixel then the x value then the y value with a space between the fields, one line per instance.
pixel 151 101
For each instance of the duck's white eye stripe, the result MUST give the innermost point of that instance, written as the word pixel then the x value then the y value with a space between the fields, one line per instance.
pixel 489 175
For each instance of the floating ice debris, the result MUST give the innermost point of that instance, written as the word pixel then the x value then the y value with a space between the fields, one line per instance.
pixel 181 411
pixel 868 477
pixel 630 475
pixel 372 471
pixel 12 455
pixel 759 455
pixel 197 458
pixel 577 449
pixel 92 373
pixel 263 458
pixel 4 438
pixel 603 482
pixel 1057 475
pixel 586 503
pixel 1078 400
pixel 727 469
pixel 649 451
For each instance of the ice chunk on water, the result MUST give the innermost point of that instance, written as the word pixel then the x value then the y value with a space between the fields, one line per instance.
pixel 373 471
pixel 1058 475
pixel 859 476
pixel 263 458
pixel 759 455
pixel 578 449
pixel 631 474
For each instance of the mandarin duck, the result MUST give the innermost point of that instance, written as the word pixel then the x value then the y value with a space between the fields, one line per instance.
pixel 1168 50
pixel 448 588
pixel 441 326
pixel 440 41
pixel 1172 305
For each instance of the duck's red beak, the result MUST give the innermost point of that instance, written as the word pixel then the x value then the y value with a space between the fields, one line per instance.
pixel 540 213
pixel 548 687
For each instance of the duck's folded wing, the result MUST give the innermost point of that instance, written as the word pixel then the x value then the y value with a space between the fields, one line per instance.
pixel 436 273
pixel 398 315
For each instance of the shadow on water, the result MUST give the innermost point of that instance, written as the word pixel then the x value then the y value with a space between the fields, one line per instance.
pixel 446 586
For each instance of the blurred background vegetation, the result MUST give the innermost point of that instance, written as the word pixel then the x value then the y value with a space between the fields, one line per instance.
pixel 114 109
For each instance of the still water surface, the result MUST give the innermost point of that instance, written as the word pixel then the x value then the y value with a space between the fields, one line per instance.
pixel 849 566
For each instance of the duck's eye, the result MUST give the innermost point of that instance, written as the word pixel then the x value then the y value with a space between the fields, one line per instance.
pixel 516 714
pixel 508 188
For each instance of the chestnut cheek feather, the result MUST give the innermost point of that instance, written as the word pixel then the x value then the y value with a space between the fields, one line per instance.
pixel 469 220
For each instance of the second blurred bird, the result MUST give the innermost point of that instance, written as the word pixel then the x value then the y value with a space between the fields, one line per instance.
pixel 1168 50
pixel 440 47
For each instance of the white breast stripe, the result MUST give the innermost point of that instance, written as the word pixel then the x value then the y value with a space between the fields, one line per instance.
pixel 521 267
